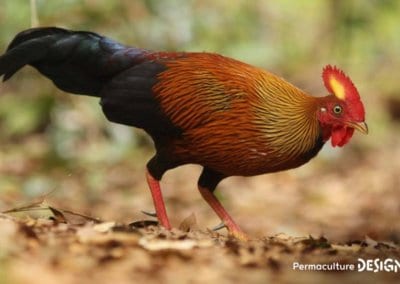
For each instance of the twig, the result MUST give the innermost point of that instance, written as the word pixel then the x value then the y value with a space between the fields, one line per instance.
pixel 34 14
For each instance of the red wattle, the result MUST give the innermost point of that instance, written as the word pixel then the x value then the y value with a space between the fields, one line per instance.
pixel 341 135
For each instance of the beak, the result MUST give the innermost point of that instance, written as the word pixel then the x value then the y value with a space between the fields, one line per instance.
pixel 360 126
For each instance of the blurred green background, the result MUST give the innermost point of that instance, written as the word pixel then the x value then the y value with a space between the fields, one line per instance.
pixel 53 142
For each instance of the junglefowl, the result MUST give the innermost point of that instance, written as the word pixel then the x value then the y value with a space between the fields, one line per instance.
pixel 201 108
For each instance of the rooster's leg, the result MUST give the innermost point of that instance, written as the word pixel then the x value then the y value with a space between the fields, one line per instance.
pixel 207 183
pixel 155 189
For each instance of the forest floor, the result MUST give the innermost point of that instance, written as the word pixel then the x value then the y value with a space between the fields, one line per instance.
pixel 334 210
pixel 49 251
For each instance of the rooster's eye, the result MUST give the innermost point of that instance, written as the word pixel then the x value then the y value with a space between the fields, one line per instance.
pixel 337 109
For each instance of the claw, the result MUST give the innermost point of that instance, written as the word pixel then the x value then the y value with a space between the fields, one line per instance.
pixel 151 214
pixel 219 226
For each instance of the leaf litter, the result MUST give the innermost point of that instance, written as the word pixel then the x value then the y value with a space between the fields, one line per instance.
pixel 59 249
pixel 42 242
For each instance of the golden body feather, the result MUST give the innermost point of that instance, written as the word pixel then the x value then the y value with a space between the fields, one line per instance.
pixel 236 119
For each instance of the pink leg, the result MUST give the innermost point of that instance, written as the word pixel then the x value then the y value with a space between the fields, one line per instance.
pixel 158 201
pixel 233 228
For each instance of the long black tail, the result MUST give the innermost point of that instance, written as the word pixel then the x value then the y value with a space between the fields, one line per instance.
pixel 77 62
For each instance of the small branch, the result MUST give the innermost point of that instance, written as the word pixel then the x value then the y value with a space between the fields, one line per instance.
pixel 34 14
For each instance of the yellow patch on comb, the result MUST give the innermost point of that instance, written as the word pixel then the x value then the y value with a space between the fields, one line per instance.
pixel 337 88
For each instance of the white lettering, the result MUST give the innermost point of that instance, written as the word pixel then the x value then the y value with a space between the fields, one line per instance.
pixel 335 266
pixel 377 265
pixel 371 265
pixel 361 265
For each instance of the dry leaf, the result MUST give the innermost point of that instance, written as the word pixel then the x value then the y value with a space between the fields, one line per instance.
pixel 104 227
pixel 157 244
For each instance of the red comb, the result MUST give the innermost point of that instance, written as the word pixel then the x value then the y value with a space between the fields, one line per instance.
pixel 339 84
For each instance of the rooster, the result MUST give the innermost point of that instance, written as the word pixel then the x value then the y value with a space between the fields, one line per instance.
pixel 201 108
